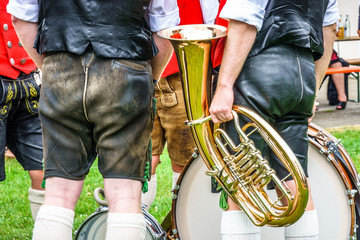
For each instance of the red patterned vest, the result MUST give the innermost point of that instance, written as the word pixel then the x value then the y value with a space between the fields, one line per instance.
pixel 190 13
pixel 13 57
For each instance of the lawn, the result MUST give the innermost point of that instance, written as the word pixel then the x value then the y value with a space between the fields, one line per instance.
pixel 15 217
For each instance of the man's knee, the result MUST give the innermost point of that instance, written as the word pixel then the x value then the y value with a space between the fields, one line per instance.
pixel 62 192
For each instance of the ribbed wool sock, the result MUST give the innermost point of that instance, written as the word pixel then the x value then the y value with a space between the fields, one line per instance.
pixel 36 198
pixel 306 228
pixel 125 226
pixel 148 197
pixel 236 225
pixel 53 223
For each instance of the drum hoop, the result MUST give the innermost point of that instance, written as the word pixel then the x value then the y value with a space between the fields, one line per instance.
pixel 343 168
pixel 159 235
pixel 348 163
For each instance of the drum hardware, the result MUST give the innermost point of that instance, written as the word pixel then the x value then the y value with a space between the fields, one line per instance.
pixel 351 193
pixel 173 196
pixel 242 173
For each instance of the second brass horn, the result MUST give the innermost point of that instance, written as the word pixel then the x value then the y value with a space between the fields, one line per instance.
pixel 241 170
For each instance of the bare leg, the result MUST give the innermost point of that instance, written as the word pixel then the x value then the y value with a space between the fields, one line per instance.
pixel 339 81
pixel 56 216
pixel 36 177
pixel 125 219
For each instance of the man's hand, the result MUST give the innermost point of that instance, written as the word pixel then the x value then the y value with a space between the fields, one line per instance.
pixel 221 105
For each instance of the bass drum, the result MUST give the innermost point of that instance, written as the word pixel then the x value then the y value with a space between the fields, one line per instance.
pixel 94 227
pixel 196 214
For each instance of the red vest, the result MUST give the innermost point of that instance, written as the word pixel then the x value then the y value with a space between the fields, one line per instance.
pixel 219 49
pixel 190 13
pixel 13 57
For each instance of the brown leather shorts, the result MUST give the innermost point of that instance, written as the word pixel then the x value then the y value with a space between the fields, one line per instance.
pixel 169 124
pixel 108 114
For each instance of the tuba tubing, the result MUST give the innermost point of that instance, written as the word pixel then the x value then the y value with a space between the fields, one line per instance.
pixel 241 170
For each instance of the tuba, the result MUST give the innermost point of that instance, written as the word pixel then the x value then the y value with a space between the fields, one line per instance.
pixel 241 170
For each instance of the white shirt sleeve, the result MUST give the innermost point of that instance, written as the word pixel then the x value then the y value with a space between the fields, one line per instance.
pixel 331 14
pixel 249 11
pixel 163 14
pixel 209 10
pixel 26 10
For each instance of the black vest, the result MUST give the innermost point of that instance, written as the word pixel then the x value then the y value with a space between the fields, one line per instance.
pixel 115 29
pixel 297 22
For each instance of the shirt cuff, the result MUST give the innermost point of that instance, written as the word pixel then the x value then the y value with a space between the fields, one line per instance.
pixel 161 21
pixel 25 12
pixel 250 12
pixel 331 14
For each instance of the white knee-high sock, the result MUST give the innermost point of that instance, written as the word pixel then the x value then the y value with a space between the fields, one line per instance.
pixel 148 197
pixel 125 226
pixel 176 176
pixel 306 228
pixel 36 198
pixel 236 225
pixel 53 223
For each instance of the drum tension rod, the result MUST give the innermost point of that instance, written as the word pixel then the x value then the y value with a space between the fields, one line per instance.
pixel 351 193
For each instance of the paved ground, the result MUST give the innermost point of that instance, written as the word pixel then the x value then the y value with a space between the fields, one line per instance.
pixel 328 117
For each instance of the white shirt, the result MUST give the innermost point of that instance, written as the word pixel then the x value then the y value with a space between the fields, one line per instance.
pixel 162 13
pixel 253 11
pixel 209 9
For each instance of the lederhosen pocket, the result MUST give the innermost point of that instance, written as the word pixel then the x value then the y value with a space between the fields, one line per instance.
pixel 167 95
pixel 12 90
pixel 32 92
pixel 9 92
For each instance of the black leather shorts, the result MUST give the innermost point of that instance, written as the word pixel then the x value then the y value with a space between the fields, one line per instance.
pixel 279 84
pixel 20 128
pixel 106 112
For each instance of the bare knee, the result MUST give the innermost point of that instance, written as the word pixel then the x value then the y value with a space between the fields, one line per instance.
pixel 36 177
pixel 123 195
pixel 62 192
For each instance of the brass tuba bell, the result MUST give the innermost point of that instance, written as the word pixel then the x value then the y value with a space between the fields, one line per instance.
pixel 241 170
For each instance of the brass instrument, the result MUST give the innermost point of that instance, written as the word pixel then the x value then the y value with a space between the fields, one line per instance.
pixel 245 173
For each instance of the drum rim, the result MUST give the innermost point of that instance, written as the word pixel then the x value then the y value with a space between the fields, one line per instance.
pixel 349 183
pixel 173 227
pixel 159 235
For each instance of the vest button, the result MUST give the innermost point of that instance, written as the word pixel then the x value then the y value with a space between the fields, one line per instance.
pixel 20 44
pixel 23 61
pixel 9 44
pixel 6 27
pixel 12 61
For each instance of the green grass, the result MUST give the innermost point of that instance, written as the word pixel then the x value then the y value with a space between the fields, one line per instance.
pixel 15 217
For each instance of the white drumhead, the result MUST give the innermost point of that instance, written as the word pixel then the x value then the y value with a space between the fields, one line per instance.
pixel 198 215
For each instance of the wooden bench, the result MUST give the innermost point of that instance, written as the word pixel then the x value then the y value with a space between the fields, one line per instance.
pixel 354 71
pixel 353 61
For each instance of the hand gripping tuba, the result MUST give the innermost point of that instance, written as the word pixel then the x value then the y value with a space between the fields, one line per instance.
pixel 240 170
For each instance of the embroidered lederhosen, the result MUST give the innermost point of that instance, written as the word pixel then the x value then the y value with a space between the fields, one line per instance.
pixel 12 90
